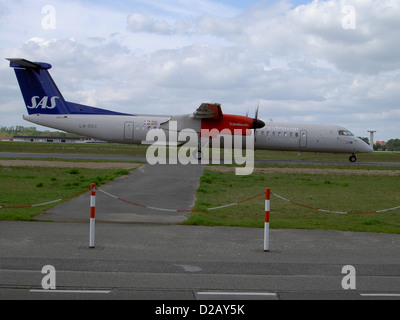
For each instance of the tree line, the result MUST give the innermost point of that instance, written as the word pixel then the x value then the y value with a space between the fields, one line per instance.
pixel 30 131
pixel 391 145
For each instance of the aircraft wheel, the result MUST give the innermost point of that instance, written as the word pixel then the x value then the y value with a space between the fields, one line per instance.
pixel 198 154
pixel 353 158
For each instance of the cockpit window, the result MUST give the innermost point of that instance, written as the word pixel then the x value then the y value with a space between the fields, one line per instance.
pixel 346 133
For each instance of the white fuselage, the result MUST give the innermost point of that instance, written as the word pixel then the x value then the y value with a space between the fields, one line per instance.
pixel 307 137
pixel 133 129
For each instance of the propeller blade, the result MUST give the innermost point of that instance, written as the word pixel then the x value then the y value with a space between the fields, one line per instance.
pixel 257 110
pixel 257 124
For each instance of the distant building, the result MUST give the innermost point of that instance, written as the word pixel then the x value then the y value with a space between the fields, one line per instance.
pixel 5 139
pixel 381 143
pixel 52 139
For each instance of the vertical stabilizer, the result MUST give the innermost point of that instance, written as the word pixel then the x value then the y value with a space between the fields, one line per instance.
pixel 39 91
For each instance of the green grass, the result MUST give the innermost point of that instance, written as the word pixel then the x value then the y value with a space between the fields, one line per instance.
pixel 73 148
pixel 20 186
pixel 358 193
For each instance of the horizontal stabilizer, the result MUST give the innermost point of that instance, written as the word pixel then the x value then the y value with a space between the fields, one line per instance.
pixel 23 63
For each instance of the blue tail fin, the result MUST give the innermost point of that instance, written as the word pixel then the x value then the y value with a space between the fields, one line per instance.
pixel 40 93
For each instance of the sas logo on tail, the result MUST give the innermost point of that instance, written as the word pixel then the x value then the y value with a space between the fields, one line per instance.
pixel 43 102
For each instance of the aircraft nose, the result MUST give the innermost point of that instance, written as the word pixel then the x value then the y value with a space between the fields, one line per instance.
pixel 369 148
pixel 365 147
pixel 258 124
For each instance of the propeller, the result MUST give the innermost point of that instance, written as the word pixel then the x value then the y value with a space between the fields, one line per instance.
pixel 258 109
pixel 257 124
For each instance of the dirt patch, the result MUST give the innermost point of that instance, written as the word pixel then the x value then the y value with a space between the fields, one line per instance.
pixel 314 171
pixel 66 164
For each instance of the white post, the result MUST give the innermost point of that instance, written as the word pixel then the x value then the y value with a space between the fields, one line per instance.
pixel 92 214
pixel 266 226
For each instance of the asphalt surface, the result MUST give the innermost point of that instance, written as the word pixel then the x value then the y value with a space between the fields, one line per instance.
pixel 11 155
pixel 172 262
pixel 137 256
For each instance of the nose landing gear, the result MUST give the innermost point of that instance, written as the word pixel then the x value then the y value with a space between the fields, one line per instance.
pixel 353 158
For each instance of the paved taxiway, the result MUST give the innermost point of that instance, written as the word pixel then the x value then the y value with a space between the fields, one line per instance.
pixel 133 261
pixel 150 261
pixel 8 155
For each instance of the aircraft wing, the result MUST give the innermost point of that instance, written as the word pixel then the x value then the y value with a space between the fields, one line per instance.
pixel 208 111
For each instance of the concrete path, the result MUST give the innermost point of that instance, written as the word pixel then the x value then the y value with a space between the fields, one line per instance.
pixel 161 186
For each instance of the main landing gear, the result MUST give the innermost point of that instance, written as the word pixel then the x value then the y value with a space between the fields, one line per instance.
pixel 353 158
pixel 199 152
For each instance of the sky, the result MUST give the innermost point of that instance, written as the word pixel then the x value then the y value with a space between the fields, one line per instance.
pixel 322 62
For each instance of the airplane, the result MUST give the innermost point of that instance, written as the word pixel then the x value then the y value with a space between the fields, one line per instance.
pixel 47 107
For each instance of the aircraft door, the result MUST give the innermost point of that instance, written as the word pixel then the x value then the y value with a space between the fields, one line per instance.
pixel 303 139
pixel 128 131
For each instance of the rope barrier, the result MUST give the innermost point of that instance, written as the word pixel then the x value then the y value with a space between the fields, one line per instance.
pixel 330 211
pixel 180 211
pixel 242 201
pixel 45 203
pixel 199 210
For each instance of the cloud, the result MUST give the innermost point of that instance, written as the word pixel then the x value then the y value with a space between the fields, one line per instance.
pixel 370 48
pixel 142 23
pixel 314 30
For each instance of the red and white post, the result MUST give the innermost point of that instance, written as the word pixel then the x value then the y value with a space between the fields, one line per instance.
pixel 92 214
pixel 266 226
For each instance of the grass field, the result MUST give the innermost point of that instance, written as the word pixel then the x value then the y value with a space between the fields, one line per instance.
pixel 345 193
pixel 337 192
pixel 73 148
pixel 21 186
